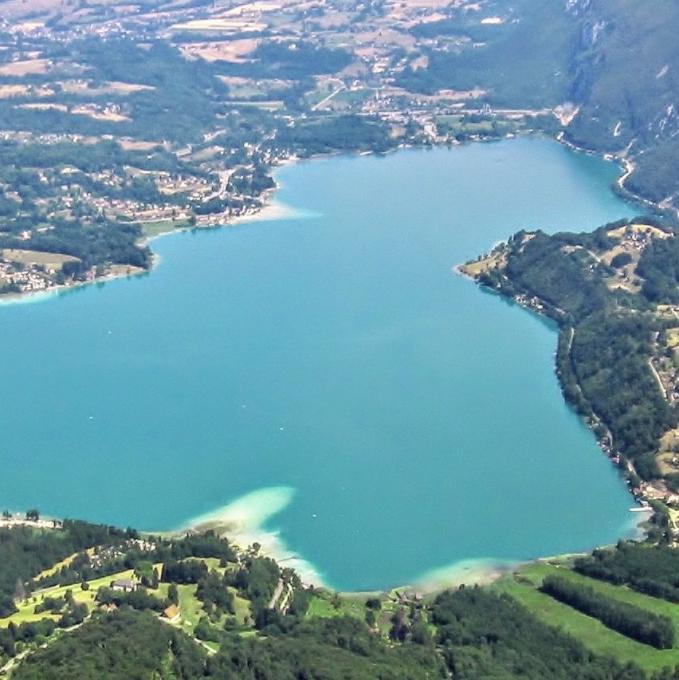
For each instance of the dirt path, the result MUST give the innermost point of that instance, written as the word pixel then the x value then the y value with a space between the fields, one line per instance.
pixel 325 100
pixel 658 379
pixel 276 594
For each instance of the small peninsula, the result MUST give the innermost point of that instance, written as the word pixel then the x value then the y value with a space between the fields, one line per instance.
pixel 613 292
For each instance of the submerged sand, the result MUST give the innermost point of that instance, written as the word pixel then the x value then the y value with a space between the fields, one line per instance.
pixel 245 522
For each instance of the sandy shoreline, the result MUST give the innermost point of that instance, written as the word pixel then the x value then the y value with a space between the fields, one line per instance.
pixel 244 522
pixel 54 291
pixel 247 520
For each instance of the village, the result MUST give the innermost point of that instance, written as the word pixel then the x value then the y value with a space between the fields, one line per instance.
pixel 161 182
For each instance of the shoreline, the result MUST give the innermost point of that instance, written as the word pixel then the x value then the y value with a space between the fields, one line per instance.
pixel 540 307
pixel 243 521
pixel 272 210
pixel 269 210
pixel 625 467
pixel 232 522
pixel 247 520
pixel 44 294
pixel 627 168
pixel 465 571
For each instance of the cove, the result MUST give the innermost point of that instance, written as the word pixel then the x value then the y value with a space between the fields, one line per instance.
pixel 410 420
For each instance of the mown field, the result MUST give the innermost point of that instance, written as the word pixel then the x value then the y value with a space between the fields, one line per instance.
pixel 524 586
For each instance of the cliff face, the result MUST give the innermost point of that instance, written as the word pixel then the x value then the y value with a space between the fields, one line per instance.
pixel 625 78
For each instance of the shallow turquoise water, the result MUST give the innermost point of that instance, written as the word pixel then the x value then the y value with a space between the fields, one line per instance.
pixel 417 418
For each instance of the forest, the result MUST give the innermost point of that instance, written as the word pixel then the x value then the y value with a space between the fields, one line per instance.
pixel 605 339
pixel 653 569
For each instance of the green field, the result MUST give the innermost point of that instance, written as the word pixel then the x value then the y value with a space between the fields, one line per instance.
pixel 524 584
pixel 150 229
pixel 35 257
pixel 26 609
pixel 324 604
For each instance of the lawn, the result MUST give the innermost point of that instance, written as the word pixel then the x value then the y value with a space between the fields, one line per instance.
pixel 26 612
pixel 321 606
pixel 31 257
pixel 523 585
pixel 56 567
pixel 189 606
pixel 150 229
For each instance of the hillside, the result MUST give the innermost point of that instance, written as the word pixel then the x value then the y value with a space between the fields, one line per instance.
pixel 188 607
pixel 612 67
pixel 613 293
pixel 626 82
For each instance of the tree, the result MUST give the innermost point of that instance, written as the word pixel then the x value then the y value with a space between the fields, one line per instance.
pixel 173 593
pixel 19 591
pixel 32 515
pixel 370 618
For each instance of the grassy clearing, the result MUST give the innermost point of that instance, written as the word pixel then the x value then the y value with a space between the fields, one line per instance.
pixel 156 228
pixel 243 611
pixel 27 613
pixel 25 68
pixel 271 105
pixel 55 568
pixel 495 260
pixel 31 257
pixel 524 584
pixel 189 606
pixel 324 605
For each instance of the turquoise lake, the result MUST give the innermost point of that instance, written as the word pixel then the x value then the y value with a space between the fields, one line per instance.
pixel 417 418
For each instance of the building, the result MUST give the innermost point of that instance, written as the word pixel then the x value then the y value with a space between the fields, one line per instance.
pixel 172 614
pixel 126 585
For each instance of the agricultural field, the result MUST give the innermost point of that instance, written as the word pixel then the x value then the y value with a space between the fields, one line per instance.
pixel 524 586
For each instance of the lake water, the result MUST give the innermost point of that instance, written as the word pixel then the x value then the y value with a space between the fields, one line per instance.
pixel 397 417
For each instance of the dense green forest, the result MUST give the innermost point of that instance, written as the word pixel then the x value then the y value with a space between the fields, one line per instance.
pixel 605 341
pixel 334 133
pixel 653 570
pixel 525 63
pixel 127 644
pixel 622 106
pixel 484 635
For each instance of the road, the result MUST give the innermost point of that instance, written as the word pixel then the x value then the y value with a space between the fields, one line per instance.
pixel 318 105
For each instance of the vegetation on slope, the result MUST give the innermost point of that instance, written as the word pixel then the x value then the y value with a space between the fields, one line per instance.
pixel 608 323
pixel 627 619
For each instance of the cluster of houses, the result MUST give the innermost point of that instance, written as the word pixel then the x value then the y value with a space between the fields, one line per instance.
pixel 26 280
